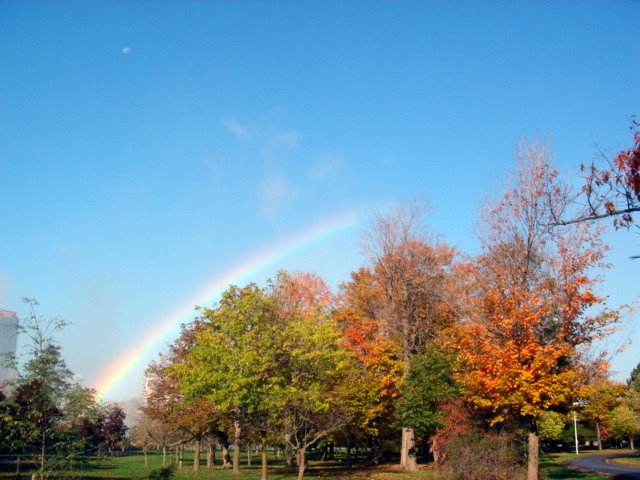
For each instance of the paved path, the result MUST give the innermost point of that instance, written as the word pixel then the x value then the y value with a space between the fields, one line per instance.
pixel 597 463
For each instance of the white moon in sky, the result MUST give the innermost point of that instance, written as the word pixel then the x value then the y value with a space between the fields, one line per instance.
pixel 126 50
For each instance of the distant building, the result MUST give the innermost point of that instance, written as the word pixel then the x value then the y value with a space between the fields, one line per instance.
pixel 8 344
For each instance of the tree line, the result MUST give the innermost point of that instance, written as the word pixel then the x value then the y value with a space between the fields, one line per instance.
pixel 424 345
pixel 48 416
pixel 472 360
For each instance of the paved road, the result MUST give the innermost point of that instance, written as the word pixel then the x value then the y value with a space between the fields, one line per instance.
pixel 596 463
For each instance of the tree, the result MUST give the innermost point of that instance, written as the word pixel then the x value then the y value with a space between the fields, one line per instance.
pixel 84 416
pixel 232 363
pixel 529 312
pixel 271 358
pixel 39 396
pixel 377 366
pixel 550 425
pixel 625 422
pixel 114 428
pixel 313 368
pixel 174 419
pixel 609 191
pixel 633 382
pixel 412 275
pixel 601 397
pixel 428 384
pixel 46 415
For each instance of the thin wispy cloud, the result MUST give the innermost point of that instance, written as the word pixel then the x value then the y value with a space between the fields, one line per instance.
pixel 237 129
pixel 285 139
pixel 275 194
pixel 327 168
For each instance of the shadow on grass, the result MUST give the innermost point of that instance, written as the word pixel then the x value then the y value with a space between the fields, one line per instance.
pixel 556 471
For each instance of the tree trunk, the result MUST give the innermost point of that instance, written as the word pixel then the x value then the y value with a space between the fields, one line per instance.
pixel 349 447
pixel 302 462
pixel 248 455
pixel 236 446
pixel 164 455
pixel 223 441
pixel 408 452
pixel 145 451
pixel 196 455
pixel 211 454
pixel 42 453
pixel 599 436
pixel 532 460
pixel 631 442
pixel 374 450
pixel 288 451
pixel 263 441
pixel 180 453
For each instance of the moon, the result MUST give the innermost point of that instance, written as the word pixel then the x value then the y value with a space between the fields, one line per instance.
pixel 126 50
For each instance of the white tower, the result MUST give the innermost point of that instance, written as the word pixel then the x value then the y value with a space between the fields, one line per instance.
pixel 8 343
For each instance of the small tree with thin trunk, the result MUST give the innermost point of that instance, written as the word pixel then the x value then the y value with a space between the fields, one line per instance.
pixel 624 423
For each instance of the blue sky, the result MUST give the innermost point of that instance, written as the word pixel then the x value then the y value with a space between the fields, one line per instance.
pixel 146 147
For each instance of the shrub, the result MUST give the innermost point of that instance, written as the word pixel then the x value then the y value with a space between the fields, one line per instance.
pixel 163 473
pixel 476 455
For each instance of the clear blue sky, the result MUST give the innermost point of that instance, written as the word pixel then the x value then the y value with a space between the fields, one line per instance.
pixel 146 147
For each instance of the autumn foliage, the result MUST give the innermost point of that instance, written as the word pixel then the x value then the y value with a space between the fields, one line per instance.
pixel 533 305
pixel 414 331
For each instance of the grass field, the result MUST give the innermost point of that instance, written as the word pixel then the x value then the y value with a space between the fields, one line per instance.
pixel 629 461
pixel 131 467
pixel 553 467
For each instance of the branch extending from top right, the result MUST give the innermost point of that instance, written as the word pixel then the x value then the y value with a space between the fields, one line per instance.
pixel 611 189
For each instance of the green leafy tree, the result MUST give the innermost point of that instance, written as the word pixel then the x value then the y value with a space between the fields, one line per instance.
pixel 550 426
pixel 170 419
pixel 429 383
pixel 39 396
pixel 271 359
pixel 601 397
pixel 84 416
pixel 233 362
pixel 625 422
pixel 634 378
pixel 47 415
pixel 313 397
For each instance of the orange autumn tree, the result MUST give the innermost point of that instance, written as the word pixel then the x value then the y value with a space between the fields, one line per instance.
pixel 378 366
pixel 532 306
pixel 412 272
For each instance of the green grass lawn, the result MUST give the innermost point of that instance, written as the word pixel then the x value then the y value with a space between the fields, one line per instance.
pixel 553 467
pixel 131 467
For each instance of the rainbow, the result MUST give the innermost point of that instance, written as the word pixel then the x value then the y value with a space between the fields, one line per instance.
pixel 241 272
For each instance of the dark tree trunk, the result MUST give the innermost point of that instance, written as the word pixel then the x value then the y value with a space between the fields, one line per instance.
pixel 223 441
pixel 263 442
pixel 211 454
